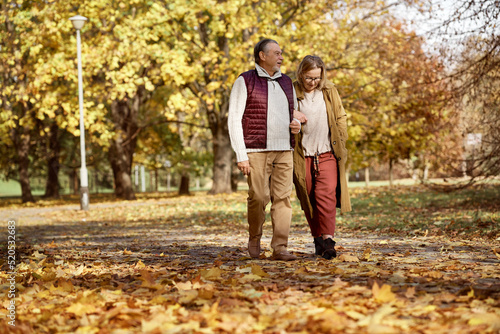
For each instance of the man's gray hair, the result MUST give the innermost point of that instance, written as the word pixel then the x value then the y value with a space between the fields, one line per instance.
pixel 262 46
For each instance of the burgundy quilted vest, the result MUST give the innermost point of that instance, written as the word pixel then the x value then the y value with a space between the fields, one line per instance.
pixel 255 117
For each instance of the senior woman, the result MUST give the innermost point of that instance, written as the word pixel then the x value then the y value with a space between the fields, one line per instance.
pixel 320 154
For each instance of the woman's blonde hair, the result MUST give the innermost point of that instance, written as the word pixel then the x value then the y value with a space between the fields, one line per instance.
pixel 311 63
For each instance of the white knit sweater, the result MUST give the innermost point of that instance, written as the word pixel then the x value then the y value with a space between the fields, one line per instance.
pixel 316 138
pixel 278 116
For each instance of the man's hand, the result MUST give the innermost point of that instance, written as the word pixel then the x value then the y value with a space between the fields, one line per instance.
pixel 295 126
pixel 300 116
pixel 244 167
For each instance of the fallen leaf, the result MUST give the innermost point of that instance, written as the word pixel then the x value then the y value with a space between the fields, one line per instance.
pixel 410 292
pixel 78 271
pixel 211 274
pixel 79 309
pixel 38 256
pixel 496 251
pixel 251 277
pixel 491 319
pixel 348 258
pixel 140 265
pixel 187 296
pixel 257 270
pixel 366 254
pixel 383 294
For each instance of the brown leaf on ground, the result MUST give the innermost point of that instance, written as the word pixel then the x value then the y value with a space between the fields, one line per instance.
pixel 173 265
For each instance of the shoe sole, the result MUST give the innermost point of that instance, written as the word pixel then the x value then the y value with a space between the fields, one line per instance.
pixel 288 259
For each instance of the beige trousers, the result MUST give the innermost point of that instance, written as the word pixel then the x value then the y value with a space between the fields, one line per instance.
pixel 270 178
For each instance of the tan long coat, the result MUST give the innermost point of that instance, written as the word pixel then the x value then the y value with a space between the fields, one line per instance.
pixel 337 122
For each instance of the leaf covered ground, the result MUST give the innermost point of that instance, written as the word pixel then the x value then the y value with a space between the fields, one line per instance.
pixel 410 261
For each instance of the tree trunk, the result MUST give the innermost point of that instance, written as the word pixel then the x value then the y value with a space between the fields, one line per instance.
pixel 169 177
pixel 96 180
pixel 23 148
pixel 184 186
pixel 120 164
pixel 20 134
pixel 235 176
pixel 223 153
pixel 74 178
pixel 391 179
pixel 222 169
pixel 52 187
pixel 124 114
pixel 367 176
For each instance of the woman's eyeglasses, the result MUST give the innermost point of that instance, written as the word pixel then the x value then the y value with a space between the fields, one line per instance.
pixel 310 80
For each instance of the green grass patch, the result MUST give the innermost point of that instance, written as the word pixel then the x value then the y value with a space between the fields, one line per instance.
pixel 417 210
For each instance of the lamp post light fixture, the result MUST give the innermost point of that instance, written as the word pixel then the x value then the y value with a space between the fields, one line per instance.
pixel 78 22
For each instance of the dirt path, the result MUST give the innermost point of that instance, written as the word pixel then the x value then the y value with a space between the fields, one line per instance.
pixel 28 216
pixel 142 265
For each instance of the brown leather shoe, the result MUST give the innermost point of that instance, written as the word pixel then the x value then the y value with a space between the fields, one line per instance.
pixel 284 256
pixel 254 248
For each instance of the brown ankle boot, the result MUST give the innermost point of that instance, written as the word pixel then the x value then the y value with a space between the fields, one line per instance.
pixel 329 252
pixel 319 246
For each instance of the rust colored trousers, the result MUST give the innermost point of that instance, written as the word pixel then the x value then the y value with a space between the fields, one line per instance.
pixel 321 184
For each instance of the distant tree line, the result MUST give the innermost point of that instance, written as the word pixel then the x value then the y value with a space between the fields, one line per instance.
pixel 157 79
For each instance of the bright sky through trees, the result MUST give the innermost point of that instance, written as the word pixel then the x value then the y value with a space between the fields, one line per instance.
pixel 441 25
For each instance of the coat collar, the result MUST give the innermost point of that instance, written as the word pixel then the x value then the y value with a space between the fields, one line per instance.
pixel 300 93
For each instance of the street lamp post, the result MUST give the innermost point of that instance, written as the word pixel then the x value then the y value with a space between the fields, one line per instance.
pixel 78 22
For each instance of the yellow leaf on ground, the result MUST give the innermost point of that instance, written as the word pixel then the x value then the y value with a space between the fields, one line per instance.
pixel 161 320
pixel 375 322
pixel 206 293
pixel 355 315
pixel 383 294
pixel 80 309
pixel 187 296
pixel 78 271
pixel 257 270
pixel 348 258
pixel 140 265
pixel 496 251
pixel 251 277
pixel 38 256
pixel 58 291
pixel 366 254
pixel 184 285
pixel 486 318
pixel 211 274
pixel 87 330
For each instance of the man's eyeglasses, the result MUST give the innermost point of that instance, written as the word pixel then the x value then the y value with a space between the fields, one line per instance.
pixel 308 79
